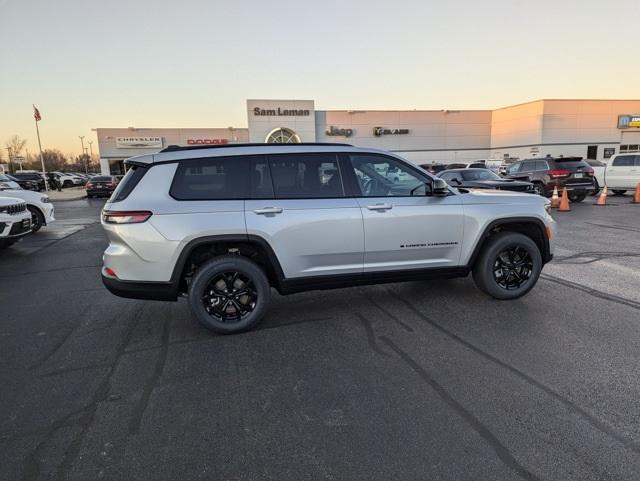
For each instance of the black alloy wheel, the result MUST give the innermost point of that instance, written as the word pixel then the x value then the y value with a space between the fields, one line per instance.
pixel 230 296
pixel 538 188
pixel 512 267
pixel 37 219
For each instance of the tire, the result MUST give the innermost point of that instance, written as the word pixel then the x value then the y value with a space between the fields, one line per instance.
pixel 618 191
pixel 577 196
pixel 89 196
pixel 596 188
pixel 67 183
pixel 37 219
pixel 539 189
pixel 220 270
pixel 483 269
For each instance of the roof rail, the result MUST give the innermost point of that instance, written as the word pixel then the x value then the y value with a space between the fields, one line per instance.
pixel 177 148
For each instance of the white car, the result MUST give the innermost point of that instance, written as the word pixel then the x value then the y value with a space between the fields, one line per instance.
pixel 622 173
pixel 15 221
pixel 38 205
pixel 69 180
pixel 7 183
pixel 598 173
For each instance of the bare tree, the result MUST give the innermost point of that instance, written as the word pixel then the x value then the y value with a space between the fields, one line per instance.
pixel 15 145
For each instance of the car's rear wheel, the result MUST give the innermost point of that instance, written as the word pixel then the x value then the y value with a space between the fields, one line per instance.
pixel 577 196
pixel 619 192
pixel 508 266
pixel 538 188
pixel 229 294
pixel 37 219
pixel 596 188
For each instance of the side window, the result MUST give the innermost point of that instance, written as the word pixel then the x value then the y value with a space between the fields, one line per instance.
pixel 624 161
pixel 261 185
pixel 448 177
pixel 306 176
pixel 128 183
pixel 213 178
pixel 380 176
pixel 528 166
pixel 637 164
pixel 513 168
pixel 542 165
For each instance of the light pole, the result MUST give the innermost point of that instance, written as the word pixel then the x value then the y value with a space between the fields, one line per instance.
pixel 91 150
pixel 81 137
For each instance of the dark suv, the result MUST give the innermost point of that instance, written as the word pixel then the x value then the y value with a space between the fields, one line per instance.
pixel 545 174
pixel 30 176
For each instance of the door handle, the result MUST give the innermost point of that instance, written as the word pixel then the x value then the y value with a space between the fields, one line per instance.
pixel 379 207
pixel 268 210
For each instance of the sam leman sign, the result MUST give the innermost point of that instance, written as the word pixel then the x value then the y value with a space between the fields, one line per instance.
pixel 280 112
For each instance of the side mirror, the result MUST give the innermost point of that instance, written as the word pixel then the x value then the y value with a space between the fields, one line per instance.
pixel 440 188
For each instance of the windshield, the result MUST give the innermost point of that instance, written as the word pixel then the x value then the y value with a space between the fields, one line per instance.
pixel 480 174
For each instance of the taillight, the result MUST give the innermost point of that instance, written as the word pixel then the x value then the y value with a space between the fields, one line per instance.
pixel 559 173
pixel 126 217
pixel 110 272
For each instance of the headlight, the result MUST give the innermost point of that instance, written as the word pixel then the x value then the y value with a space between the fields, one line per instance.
pixel 45 199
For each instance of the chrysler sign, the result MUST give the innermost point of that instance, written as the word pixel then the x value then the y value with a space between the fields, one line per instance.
pixel 379 131
pixel 139 142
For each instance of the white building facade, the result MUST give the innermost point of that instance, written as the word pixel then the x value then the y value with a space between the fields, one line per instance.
pixel 587 128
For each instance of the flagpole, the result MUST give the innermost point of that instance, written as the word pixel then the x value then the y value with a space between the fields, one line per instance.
pixel 44 173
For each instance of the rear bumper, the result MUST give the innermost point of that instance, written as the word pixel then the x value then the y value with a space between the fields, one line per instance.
pixel 154 291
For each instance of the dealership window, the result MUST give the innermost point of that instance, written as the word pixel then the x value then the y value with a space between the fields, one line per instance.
pixel 629 148
pixel 306 176
pixel 215 178
pixel 282 135
pixel 592 152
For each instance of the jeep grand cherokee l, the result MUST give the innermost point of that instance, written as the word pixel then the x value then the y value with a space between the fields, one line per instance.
pixel 222 225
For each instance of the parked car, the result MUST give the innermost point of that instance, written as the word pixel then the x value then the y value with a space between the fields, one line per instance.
pixel 101 185
pixel 622 173
pixel 7 183
pixel 30 176
pixel 598 174
pixel 483 179
pixel 545 174
pixel 38 205
pixel 15 221
pixel 225 224
pixel 68 180
pixel 433 168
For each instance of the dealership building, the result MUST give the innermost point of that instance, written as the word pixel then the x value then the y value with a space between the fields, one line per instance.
pixel 593 129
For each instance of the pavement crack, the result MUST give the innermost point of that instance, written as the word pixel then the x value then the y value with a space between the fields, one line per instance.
pixel 141 407
pixel 626 441
pixel 500 449
pixel 371 336
pixel 591 257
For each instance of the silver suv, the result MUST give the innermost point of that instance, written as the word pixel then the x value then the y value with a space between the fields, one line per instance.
pixel 222 225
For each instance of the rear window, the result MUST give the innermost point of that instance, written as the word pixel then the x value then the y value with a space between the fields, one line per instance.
pixel 570 163
pixel 214 178
pixel 104 178
pixel 128 183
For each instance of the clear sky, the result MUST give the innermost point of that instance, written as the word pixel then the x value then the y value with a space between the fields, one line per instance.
pixel 193 63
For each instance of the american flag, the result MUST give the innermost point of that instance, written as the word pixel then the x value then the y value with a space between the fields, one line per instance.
pixel 36 114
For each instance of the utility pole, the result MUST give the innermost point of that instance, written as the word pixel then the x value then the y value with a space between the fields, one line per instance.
pixel 91 150
pixel 81 137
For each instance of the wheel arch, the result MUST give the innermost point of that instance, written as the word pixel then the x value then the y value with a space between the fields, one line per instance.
pixel 532 227
pixel 198 250
pixel 44 216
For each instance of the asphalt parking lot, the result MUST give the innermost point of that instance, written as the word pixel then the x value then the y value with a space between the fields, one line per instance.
pixel 414 381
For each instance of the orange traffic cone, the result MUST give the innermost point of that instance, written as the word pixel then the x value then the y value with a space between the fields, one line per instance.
pixel 602 198
pixel 636 196
pixel 555 200
pixel 564 202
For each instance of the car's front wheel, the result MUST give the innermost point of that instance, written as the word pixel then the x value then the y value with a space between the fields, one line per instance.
pixel 37 219
pixel 508 266
pixel 229 294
